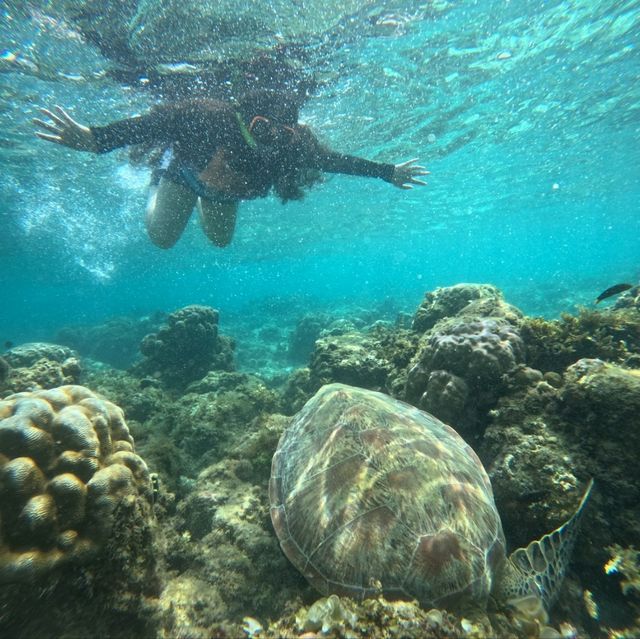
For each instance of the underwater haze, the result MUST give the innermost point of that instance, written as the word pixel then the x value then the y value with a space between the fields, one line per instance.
pixel 526 113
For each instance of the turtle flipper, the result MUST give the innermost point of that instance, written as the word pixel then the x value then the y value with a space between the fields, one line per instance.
pixel 541 566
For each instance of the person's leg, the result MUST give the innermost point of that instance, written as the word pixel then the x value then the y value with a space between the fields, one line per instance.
pixel 168 211
pixel 218 220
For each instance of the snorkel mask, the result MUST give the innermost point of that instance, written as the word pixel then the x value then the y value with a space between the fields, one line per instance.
pixel 268 131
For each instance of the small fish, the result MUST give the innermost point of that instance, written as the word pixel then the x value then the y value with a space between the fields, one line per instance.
pixel 8 344
pixel 613 290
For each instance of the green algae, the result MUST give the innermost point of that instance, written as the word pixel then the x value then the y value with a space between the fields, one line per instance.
pixel 552 345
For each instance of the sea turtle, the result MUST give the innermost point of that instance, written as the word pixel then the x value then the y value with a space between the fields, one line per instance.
pixel 370 496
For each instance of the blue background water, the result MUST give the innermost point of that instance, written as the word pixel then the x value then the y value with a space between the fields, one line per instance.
pixel 527 114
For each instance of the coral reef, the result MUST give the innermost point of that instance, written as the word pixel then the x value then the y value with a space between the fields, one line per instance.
pixel 186 347
pixel 351 358
pixel 375 359
pixel 146 406
pixel 221 542
pixel 67 460
pixel 534 471
pixel 297 389
pixel 304 336
pixel 553 420
pixel 179 436
pixel 142 399
pixel 598 407
pixel 378 618
pixel 545 440
pixel 629 299
pixel 28 354
pixel 73 493
pixel 457 373
pixel 116 342
pixel 610 335
pixel 41 374
pixel 462 300
pixel 206 422
pixel 326 615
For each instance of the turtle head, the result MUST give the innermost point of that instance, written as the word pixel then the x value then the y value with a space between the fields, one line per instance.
pixel 532 576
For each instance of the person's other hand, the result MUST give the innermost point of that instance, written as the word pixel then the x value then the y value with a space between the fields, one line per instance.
pixel 66 131
pixel 406 174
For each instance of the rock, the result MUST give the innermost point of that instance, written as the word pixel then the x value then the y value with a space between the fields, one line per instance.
pixel 467 359
pixel 462 300
pixel 186 347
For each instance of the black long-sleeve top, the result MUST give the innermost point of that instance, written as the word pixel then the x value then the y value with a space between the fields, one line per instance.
pixel 197 131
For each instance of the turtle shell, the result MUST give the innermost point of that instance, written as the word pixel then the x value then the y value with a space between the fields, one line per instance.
pixel 370 495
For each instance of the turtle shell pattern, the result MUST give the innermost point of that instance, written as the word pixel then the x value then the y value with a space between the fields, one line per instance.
pixel 370 495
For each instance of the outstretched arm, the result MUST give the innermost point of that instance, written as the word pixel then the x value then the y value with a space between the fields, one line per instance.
pixel 64 130
pixel 158 126
pixel 403 175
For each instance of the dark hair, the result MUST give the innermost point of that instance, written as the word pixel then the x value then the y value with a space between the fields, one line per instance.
pixel 290 161
pixel 294 177
pixel 281 106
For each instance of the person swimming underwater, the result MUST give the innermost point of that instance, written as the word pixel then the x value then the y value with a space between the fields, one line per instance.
pixel 217 154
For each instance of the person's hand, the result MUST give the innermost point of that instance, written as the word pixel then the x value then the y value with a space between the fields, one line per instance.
pixel 405 175
pixel 66 131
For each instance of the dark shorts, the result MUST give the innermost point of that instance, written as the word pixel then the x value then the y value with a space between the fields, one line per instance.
pixel 187 177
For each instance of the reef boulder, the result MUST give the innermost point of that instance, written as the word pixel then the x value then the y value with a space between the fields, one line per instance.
pixel 457 373
pixel 28 354
pixel 549 436
pixel 186 347
pixel 462 300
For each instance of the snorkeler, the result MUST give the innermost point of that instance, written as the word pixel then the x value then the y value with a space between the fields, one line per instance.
pixel 217 154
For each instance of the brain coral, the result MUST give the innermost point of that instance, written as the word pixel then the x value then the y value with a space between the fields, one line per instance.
pixel 66 463
pixel 465 358
pixel 479 351
pixel 462 300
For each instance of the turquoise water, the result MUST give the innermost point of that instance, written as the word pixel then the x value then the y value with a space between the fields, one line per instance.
pixel 526 113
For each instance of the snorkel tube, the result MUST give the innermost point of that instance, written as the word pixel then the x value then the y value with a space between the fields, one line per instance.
pixel 246 134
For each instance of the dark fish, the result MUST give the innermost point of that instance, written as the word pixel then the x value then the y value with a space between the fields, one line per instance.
pixel 8 345
pixel 613 290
